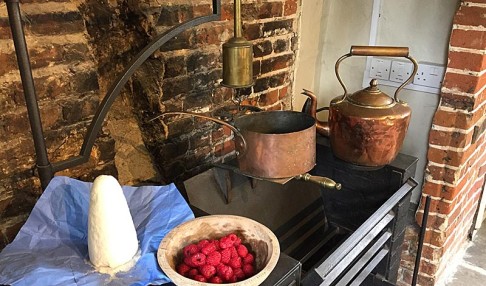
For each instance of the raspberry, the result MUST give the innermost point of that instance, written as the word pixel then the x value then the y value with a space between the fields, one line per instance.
pixel 248 270
pixel 193 272
pixel 188 261
pixel 226 255
pixel 207 271
pixel 234 253
pixel 214 258
pixel 201 244
pixel 242 250
pixel 183 269
pixel 248 259
pixel 235 262
pixel 240 275
pixel 190 250
pixel 234 238
pixel 199 278
pixel 216 280
pixel 198 259
pixel 225 242
pixel 208 248
pixel 225 272
pixel 232 279
pixel 216 243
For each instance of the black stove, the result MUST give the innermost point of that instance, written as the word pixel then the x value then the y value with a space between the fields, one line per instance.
pixel 347 237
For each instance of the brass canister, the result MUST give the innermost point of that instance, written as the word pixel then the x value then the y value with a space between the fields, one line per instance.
pixel 237 56
pixel 237 63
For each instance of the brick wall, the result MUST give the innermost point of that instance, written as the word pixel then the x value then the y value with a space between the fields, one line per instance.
pixel 457 151
pixel 76 50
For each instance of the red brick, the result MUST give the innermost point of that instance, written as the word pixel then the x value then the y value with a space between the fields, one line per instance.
pixel 252 31
pixel 442 174
pixel 432 253
pixel 224 148
pixel 55 23
pixel 458 101
pixel 465 83
pixel 290 7
pixel 268 98
pixel 449 157
pixel 452 139
pixel 277 63
pixel 439 205
pixel 209 34
pixel 227 12
pixel 433 220
pixel 467 61
pixel 469 39
pixel 470 16
pixel 255 11
pixel 283 92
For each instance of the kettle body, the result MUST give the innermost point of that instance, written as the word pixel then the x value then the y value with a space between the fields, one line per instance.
pixel 367 127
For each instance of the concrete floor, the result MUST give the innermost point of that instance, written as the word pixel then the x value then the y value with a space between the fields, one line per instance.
pixel 471 268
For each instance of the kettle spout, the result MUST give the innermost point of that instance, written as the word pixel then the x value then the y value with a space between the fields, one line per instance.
pixel 310 107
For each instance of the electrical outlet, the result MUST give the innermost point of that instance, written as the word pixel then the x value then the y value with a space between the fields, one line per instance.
pixel 429 75
pixel 380 68
pixel 400 71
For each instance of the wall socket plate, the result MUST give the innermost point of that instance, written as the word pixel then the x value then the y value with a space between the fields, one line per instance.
pixel 380 68
pixel 393 72
pixel 430 75
pixel 400 71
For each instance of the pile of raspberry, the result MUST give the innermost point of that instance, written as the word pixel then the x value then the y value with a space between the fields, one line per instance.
pixel 224 260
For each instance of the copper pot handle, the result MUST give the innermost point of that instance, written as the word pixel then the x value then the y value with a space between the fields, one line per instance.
pixel 321 181
pixel 381 51
pixel 242 142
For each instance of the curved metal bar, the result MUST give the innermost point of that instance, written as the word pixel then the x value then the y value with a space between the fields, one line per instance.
pixel 336 70
pixel 122 79
pixel 42 161
pixel 242 143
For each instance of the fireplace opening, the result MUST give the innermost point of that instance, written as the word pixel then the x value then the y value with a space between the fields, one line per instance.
pixel 335 237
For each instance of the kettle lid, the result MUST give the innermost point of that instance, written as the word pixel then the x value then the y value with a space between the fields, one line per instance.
pixel 371 96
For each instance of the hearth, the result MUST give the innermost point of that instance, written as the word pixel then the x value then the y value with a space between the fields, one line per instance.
pixel 347 237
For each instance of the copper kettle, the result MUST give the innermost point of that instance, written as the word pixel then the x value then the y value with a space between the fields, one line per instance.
pixel 367 127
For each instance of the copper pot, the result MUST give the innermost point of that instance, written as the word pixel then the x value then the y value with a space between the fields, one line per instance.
pixel 367 127
pixel 274 145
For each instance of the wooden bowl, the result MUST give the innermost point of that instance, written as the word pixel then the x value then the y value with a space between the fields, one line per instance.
pixel 262 242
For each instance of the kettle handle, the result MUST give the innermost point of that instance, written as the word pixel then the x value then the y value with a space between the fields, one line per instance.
pixel 381 51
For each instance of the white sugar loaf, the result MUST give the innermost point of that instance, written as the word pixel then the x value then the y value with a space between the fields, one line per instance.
pixel 112 238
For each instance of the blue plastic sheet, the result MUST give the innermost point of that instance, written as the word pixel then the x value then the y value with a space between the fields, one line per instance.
pixel 52 246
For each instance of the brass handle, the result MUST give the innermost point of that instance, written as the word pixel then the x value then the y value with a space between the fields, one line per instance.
pixel 379 51
pixel 321 181
pixel 242 142
pixel 382 52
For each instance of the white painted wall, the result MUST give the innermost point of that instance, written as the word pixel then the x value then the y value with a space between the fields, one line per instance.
pixel 421 25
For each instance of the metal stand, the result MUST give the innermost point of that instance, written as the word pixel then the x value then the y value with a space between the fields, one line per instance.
pixel 47 169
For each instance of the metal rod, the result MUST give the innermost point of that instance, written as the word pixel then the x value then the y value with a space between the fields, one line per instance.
pixel 421 240
pixel 237 18
pixel 46 170
pixel 42 161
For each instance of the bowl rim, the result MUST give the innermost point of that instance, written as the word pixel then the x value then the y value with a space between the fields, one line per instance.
pixel 260 276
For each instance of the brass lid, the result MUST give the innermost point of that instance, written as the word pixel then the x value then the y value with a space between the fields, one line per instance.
pixel 371 96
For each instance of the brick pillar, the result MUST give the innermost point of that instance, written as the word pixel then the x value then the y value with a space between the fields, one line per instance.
pixel 457 147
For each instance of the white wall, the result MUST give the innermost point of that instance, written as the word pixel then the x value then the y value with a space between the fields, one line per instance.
pixel 421 25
